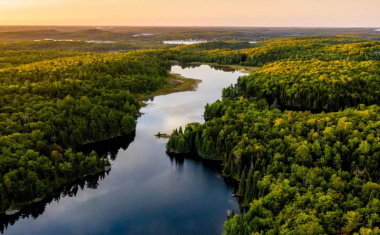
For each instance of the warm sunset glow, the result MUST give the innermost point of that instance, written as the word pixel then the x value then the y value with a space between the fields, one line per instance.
pixel 323 13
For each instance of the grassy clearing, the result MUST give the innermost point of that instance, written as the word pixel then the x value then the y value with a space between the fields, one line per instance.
pixel 244 69
pixel 176 83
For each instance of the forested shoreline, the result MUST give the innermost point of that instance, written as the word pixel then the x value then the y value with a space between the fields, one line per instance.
pixel 299 172
pixel 50 106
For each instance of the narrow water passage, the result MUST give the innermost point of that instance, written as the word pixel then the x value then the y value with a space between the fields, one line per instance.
pixel 146 192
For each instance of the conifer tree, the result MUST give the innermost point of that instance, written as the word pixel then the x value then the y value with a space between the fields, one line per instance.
pixel 112 122
pixel 242 182
pixel 248 188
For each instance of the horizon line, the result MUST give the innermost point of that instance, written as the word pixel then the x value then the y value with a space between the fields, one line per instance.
pixel 188 26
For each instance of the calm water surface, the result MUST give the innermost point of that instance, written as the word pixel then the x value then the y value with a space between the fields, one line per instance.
pixel 184 42
pixel 147 191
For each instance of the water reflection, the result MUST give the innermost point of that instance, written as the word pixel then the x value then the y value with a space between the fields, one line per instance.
pixel 34 210
pixel 108 148
pixel 223 68
pixel 147 191
pixel 179 159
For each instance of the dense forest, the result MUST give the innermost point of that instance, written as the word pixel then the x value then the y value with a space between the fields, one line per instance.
pixel 74 187
pixel 154 34
pixel 294 49
pixel 300 172
pixel 51 106
pixel 323 167
pixel 10 58
pixel 314 84
pixel 81 46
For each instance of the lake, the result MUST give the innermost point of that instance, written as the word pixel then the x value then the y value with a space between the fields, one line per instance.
pixel 143 34
pixel 147 191
pixel 71 40
pixel 184 42
pixel 188 42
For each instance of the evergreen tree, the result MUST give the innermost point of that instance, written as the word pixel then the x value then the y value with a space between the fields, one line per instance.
pixel 181 145
pixel 249 187
pixel 77 137
pixel 112 122
pixel 94 130
pixel 127 124
pixel 242 182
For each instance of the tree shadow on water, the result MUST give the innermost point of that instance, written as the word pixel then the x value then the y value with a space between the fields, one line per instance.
pixel 107 148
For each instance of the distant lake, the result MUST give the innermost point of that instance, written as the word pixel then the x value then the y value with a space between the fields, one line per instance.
pixel 71 40
pixel 147 191
pixel 188 42
pixel 143 34
pixel 184 42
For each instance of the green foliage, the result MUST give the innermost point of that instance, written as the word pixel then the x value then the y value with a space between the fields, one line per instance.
pixel 288 49
pixel 10 58
pixel 301 173
pixel 314 84
pixel 307 173
pixel 49 46
pixel 57 104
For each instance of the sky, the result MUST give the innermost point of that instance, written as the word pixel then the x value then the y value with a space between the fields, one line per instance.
pixel 255 13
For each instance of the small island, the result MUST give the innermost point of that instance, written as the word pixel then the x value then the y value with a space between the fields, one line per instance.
pixel 162 135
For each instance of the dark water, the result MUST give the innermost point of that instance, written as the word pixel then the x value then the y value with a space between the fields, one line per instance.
pixel 147 191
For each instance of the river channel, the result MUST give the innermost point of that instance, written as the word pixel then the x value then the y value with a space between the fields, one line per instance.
pixel 147 191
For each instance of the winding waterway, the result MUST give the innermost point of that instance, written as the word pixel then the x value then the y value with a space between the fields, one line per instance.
pixel 147 191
